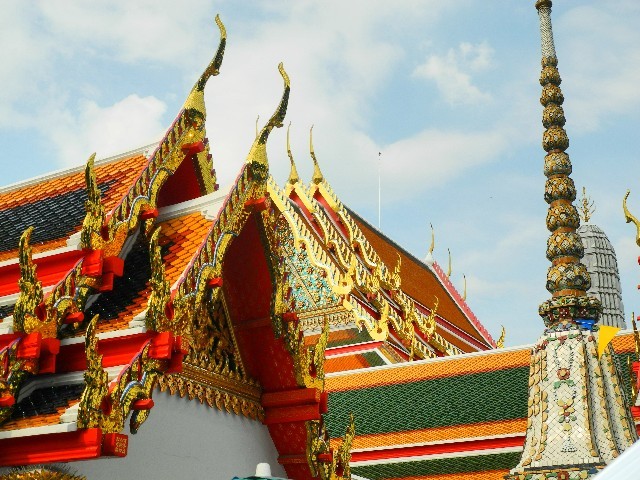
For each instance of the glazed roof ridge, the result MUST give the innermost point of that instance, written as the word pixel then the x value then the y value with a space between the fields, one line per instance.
pixel 201 204
pixel 76 169
pixel 425 361
pixel 437 270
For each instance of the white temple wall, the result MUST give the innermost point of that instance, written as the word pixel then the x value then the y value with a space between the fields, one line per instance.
pixel 184 439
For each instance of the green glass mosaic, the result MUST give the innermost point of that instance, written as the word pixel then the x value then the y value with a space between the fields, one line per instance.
pixel 441 402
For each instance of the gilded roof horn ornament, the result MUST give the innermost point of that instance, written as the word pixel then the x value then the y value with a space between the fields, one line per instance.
pixel 449 268
pixel 257 120
pixel 194 105
pixel 500 342
pixel 464 291
pixel 317 173
pixel 293 175
pixel 31 294
pixel 428 259
pixel 631 218
pixel 587 206
pixel 258 153
pixel 433 240
pixel 90 236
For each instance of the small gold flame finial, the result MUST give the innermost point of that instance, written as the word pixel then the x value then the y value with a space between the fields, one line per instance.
pixel 449 269
pixel 317 174
pixel 433 240
pixel 500 342
pixel 630 218
pixel 587 206
pixel 258 153
pixel 293 175
pixel 257 120
pixel 464 292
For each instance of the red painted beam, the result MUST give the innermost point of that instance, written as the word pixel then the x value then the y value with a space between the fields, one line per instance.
pixel 50 448
pixel 115 351
pixel 50 271
pixel 453 447
pixel 360 347
pixel 288 398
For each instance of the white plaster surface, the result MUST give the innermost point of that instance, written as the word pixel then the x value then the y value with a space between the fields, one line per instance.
pixel 183 439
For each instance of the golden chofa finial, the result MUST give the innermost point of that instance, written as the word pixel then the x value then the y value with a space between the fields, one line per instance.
pixel 317 174
pixel 257 120
pixel 258 153
pixel 464 291
pixel 433 240
pixel 194 104
pixel 293 174
pixel 587 207
pixel 449 269
pixel 428 259
pixel 630 218
pixel 500 342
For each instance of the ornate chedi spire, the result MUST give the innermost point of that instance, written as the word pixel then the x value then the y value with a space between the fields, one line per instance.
pixel 578 418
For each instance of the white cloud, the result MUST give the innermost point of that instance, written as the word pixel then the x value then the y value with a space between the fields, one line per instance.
pixel 127 124
pixel 162 31
pixel 452 72
pixel 433 157
pixel 602 78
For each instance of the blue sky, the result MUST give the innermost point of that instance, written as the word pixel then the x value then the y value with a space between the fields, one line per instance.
pixel 447 91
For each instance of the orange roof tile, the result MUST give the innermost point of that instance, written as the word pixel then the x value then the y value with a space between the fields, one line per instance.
pixel 421 284
pixel 119 174
pixel 184 245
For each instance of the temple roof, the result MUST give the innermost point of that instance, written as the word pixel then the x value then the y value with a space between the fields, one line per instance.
pixel 54 204
pixel 463 416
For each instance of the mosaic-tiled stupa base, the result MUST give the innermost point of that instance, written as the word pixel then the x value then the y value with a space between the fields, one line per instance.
pixel 577 418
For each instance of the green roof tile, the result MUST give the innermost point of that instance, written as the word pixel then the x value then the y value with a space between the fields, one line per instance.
pixel 441 402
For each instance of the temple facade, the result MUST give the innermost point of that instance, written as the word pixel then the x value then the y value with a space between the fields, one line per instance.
pixel 156 325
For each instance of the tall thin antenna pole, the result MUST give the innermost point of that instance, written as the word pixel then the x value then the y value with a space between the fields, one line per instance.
pixel 379 190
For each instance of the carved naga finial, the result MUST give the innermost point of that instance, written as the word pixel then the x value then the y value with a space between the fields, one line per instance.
pixel 631 218
pixel 96 380
pixel 431 323
pixel 317 177
pixel 156 316
pixel 396 278
pixel 194 105
pixel 258 153
pixel 90 236
pixel 293 175
pixel 587 206
pixel 500 342
pixel 31 293
pixel 340 468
